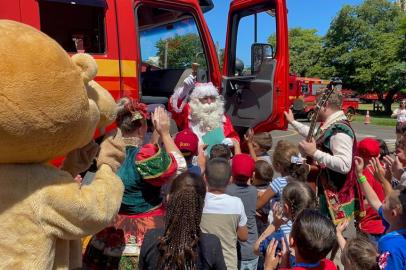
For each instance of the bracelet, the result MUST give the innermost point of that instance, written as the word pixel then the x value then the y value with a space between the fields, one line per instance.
pixel 362 179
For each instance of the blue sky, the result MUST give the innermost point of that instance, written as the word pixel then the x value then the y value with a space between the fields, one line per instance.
pixel 302 13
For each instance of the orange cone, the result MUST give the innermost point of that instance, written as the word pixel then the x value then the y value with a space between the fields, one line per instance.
pixel 367 119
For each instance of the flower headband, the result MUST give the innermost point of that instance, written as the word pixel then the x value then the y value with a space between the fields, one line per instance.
pixel 138 110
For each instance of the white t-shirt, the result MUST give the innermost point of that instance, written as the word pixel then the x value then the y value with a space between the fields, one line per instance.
pixel 400 115
pixel 222 215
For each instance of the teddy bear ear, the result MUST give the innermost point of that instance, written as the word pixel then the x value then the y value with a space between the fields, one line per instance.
pixel 87 65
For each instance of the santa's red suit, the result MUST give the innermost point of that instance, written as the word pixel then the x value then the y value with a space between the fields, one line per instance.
pixel 188 112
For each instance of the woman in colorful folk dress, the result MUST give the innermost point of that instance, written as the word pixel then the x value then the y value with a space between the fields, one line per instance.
pixel 145 169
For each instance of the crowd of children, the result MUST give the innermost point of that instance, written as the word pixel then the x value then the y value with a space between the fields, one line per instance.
pixel 232 210
pixel 267 222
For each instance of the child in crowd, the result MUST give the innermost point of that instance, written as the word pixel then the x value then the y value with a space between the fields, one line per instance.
pixel 288 162
pixel 223 215
pixel 371 223
pixel 181 244
pixel 358 253
pixel 259 145
pixel 384 150
pixel 312 238
pixel 296 196
pixel 220 151
pixel 262 178
pixel 392 211
pixel 187 142
pixel 242 170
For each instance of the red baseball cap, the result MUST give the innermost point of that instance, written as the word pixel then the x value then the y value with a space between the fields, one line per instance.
pixel 368 148
pixel 242 165
pixel 187 141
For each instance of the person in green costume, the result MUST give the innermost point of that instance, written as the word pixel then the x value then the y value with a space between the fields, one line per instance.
pixel 145 169
pixel 332 150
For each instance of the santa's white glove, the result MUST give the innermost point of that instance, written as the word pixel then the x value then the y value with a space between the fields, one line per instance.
pixel 228 142
pixel 188 84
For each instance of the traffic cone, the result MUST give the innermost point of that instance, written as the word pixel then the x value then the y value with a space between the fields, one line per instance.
pixel 367 119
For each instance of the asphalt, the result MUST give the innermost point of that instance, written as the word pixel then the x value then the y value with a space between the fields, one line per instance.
pixel 362 131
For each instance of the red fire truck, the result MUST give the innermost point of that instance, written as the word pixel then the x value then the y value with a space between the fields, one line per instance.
pixel 302 97
pixel 132 42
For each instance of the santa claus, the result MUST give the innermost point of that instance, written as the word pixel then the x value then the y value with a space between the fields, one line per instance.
pixel 199 106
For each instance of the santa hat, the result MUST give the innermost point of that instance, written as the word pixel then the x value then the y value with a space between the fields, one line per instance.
pixel 204 90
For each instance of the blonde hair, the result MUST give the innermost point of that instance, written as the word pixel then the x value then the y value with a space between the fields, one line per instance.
pixel 335 100
pixel 264 140
pixel 361 253
pixel 282 158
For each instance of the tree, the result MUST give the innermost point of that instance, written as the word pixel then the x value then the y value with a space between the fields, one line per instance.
pixel 305 53
pixel 364 45
pixel 182 51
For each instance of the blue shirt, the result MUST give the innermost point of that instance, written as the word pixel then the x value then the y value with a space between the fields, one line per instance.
pixel 384 222
pixel 194 169
pixel 277 185
pixel 392 248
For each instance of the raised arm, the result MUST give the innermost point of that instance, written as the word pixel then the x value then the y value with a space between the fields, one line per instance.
pixel 366 188
pixel 341 147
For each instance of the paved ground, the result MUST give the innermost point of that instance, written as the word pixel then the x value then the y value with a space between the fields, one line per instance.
pixel 361 130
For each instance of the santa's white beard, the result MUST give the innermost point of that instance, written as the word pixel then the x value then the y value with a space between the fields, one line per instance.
pixel 207 116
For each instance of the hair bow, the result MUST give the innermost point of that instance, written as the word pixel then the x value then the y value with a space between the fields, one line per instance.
pixel 297 159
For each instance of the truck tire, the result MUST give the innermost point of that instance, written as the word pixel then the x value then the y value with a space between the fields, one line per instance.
pixel 350 114
pixel 310 115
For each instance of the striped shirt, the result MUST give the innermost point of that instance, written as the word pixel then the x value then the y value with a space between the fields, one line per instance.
pixel 277 185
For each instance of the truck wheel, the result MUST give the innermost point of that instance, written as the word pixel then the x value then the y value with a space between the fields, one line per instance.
pixel 350 114
pixel 310 115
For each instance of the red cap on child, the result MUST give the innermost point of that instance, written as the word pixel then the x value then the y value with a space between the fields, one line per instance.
pixel 187 141
pixel 368 148
pixel 242 165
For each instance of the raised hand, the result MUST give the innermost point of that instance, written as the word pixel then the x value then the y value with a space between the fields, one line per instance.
pixel 272 258
pixel 161 121
pixel 341 227
pixel 289 116
pixel 359 166
pixel 394 165
pixel 249 135
pixel 308 148
pixel 189 83
pixel 379 171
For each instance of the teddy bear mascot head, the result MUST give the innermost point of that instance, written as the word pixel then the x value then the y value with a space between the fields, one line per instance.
pixel 45 113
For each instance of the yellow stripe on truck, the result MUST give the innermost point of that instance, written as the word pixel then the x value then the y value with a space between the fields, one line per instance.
pixel 110 68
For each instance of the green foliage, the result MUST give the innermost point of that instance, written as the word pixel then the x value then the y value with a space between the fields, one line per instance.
pixel 306 53
pixel 363 44
pixel 402 27
pixel 182 51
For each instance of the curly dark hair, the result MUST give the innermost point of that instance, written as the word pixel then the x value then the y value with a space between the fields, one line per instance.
pixel 182 227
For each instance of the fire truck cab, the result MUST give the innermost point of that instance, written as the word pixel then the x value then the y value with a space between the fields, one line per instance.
pixel 302 97
pixel 145 48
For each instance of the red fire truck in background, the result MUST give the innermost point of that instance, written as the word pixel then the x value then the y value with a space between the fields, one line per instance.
pixel 302 97
pixel 124 35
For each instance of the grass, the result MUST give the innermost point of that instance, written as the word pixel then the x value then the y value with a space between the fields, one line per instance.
pixel 376 120
pixel 376 117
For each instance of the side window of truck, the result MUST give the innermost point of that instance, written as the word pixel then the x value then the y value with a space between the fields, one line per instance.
pixel 78 26
pixel 247 36
pixel 169 43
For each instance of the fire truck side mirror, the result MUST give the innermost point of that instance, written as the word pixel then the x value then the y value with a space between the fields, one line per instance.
pixel 259 52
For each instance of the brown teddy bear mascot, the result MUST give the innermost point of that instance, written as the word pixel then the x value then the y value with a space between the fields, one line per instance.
pixel 45 113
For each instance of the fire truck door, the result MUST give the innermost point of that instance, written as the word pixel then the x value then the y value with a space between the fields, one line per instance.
pixel 251 65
